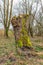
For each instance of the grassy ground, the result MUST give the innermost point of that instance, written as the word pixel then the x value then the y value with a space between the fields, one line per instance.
pixel 9 56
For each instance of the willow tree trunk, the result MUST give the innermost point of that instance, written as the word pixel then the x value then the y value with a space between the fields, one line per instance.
pixel 20 32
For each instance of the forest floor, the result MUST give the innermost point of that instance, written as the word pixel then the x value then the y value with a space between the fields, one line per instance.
pixel 9 55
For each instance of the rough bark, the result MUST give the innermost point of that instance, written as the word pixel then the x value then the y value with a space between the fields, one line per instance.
pixel 17 27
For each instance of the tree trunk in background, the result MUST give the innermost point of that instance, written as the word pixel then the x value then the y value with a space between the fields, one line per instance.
pixel 30 30
pixel 6 32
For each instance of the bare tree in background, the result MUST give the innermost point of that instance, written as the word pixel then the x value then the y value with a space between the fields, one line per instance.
pixel 6 15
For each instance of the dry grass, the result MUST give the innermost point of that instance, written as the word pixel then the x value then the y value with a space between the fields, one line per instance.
pixel 8 55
